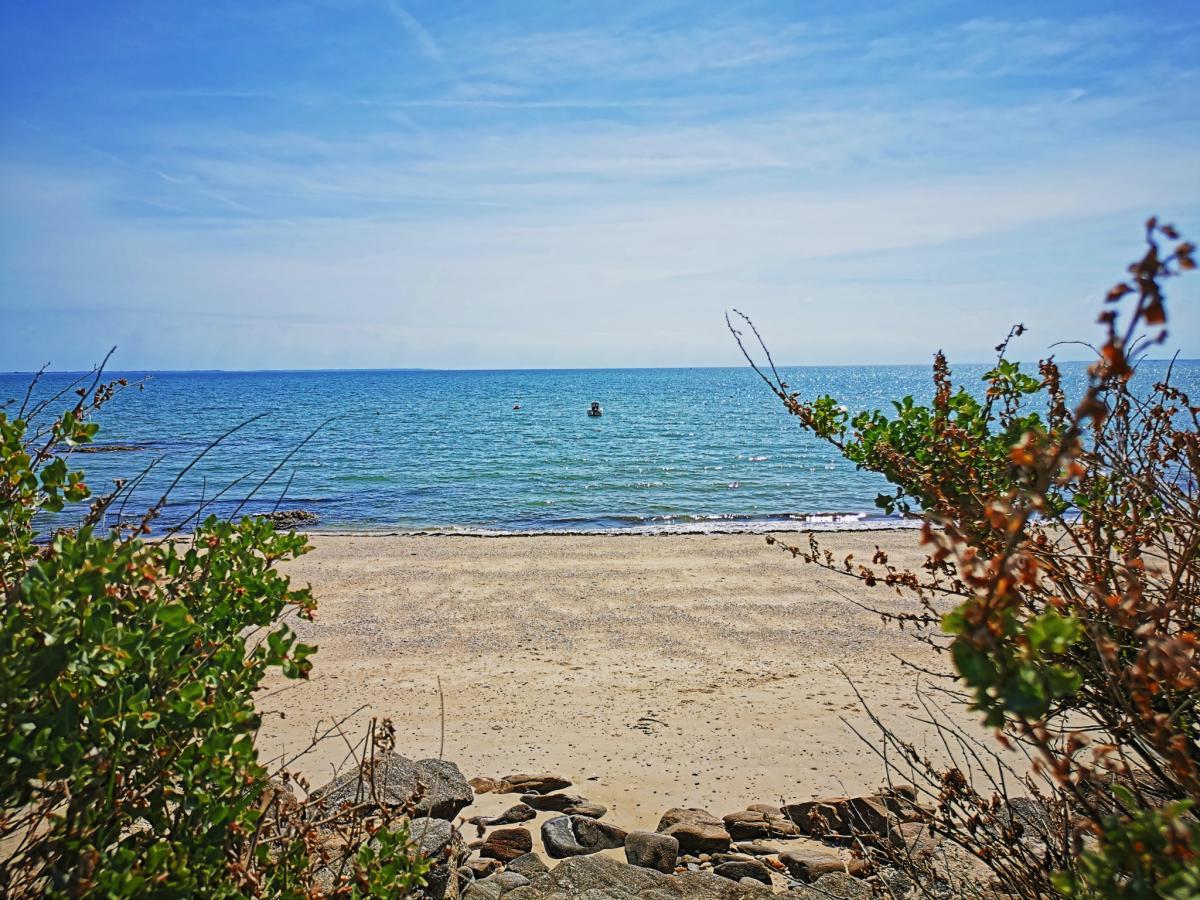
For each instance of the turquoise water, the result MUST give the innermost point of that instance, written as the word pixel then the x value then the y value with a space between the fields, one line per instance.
pixel 676 449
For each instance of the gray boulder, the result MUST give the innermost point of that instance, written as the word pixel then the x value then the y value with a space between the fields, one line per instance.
pixel 530 865
pixel 437 786
pixel 841 886
pixel 483 890
pixel 440 843
pixel 652 850
pixel 510 881
pixel 601 878
pixel 579 835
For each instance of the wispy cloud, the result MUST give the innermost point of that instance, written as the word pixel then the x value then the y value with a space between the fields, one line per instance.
pixel 641 53
pixel 516 169
pixel 418 32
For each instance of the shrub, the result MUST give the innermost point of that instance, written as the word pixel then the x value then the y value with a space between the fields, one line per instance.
pixel 127 725
pixel 1065 541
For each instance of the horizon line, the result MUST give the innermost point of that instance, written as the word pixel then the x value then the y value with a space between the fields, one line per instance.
pixel 430 369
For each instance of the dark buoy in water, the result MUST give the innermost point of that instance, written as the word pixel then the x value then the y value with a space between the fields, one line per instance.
pixel 595 410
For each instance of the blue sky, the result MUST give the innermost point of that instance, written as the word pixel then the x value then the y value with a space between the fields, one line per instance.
pixel 333 183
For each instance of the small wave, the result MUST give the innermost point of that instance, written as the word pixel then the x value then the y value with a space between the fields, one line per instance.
pixel 831 518
pixel 758 458
pixel 667 523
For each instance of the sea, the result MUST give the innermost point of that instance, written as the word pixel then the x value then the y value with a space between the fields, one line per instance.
pixel 497 452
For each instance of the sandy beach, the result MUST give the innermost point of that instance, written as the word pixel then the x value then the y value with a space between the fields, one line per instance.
pixel 654 671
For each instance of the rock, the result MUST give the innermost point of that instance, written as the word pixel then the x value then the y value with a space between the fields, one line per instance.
pixel 602 878
pixel 529 865
pixel 282 800
pixel 1030 812
pixel 511 816
pixel 737 869
pixel 1030 820
pixel 895 883
pixel 901 801
pixel 567 804
pixel 559 839
pixel 816 818
pixel 841 817
pixel 437 841
pixel 810 865
pixel 478 868
pixel 566 836
pixel 866 815
pixel 899 791
pixel 956 872
pixel 594 835
pixel 915 839
pixel 290 518
pixel 437 786
pixel 843 887
pixel 652 850
pixel 483 890
pixel 760 821
pixel 697 830
pixel 756 848
pixel 510 881
pixel 531 784
pixel 482 785
pixel 507 844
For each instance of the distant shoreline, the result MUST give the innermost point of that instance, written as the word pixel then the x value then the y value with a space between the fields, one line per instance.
pixel 424 370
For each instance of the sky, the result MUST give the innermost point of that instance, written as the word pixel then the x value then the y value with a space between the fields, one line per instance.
pixel 386 184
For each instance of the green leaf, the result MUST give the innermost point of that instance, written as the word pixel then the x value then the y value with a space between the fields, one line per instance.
pixel 173 615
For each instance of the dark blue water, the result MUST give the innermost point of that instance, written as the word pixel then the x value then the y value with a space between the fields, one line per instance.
pixel 676 449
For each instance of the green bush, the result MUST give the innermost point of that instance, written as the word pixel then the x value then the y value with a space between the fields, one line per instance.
pixel 1063 580
pixel 127 724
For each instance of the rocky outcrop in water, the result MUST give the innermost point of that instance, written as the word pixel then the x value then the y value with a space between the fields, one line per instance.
pixel 291 518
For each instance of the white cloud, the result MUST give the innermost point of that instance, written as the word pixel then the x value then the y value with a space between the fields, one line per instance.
pixel 419 34
pixel 538 208
pixel 516 288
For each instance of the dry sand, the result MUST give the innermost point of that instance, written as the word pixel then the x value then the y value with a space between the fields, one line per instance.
pixel 654 671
